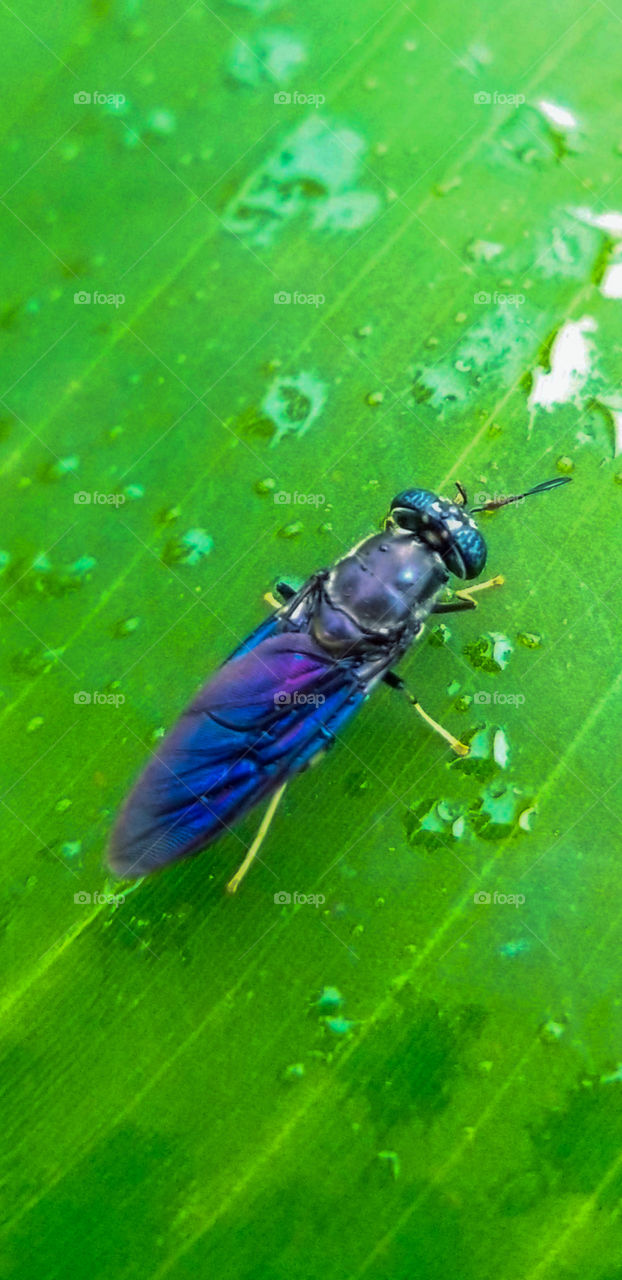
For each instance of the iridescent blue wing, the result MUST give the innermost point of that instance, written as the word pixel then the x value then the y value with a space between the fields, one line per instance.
pixel 262 717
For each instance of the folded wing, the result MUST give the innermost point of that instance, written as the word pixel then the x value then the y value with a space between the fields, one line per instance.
pixel 261 718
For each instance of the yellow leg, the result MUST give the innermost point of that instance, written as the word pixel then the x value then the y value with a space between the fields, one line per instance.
pixel 459 747
pixel 236 880
pixel 272 600
pixel 467 592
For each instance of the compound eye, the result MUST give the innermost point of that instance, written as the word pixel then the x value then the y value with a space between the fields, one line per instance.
pixel 443 526
pixel 408 508
pixel 469 552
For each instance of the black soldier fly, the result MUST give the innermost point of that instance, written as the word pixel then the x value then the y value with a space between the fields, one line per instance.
pixel 281 698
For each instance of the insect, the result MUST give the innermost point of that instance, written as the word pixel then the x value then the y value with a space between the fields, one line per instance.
pixel 283 696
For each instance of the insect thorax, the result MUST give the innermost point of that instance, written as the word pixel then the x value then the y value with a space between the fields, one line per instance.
pixel 379 594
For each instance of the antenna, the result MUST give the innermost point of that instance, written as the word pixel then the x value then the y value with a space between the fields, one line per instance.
pixel 538 488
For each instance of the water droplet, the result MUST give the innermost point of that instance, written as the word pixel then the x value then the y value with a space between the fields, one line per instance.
pixel 446 188
pixel 161 123
pixel 271 55
pixel 316 166
pixel 346 212
pixel 190 548
pixel 611 283
pixel 330 1000
pixel 494 814
pixel 293 404
pixel 560 118
pixel 475 59
pixel 71 850
pixel 611 407
pixel 565 466
pixel 295 1072
pixel 439 635
pixel 35 662
pixel 529 639
pixel 552 1031
pixel 432 822
pixel 484 250
pixel 127 626
pixel 392 1159
pixel 501 749
pixel 491 652
pixel 339 1026
pixel 526 818
pixel 62 467
pixel 515 948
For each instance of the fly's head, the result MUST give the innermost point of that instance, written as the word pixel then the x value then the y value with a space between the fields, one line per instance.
pixel 448 528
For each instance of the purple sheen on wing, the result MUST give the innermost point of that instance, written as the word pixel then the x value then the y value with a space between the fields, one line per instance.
pixel 256 722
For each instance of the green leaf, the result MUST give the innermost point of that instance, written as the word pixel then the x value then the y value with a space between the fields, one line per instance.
pixel 265 267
